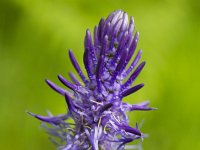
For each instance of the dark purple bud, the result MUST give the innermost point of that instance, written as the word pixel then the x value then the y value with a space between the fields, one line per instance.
pixel 105 107
pixel 132 90
pixel 100 30
pixel 133 76
pixel 134 63
pixel 141 106
pixel 124 141
pixel 133 46
pixel 87 63
pixel 136 107
pixel 119 67
pixel 100 64
pixel 54 120
pixel 124 25
pixel 131 26
pixel 77 67
pixel 96 40
pixel 130 129
pixel 116 28
pixel 120 48
pixel 70 104
pixel 66 83
pixel 90 47
pixel 57 88
pixel 74 79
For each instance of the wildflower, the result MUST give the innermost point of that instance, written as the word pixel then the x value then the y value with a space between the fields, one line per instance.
pixel 95 103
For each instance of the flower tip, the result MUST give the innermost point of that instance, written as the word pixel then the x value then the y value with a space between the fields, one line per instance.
pixel 70 51
pixel 88 32
pixel 30 113
pixel 60 77
pixel 136 126
pixel 137 132
pixel 66 96
pixel 51 84
pixel 132 19
pixel 47 81
pixel 140 52
pixel 105 38
pixel 137 34
pixel 142 85
pixel 69 103
pixel 143 63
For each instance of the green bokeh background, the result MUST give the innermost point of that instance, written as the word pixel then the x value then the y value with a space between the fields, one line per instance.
pixel 35 36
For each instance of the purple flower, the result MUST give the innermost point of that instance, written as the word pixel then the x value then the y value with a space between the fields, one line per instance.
pixel 95 104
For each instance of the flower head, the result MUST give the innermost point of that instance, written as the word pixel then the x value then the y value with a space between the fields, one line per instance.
pixel 95 103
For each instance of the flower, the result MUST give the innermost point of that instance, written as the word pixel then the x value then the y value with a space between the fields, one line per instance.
pixel 95 105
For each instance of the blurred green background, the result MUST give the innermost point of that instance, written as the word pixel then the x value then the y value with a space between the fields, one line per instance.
pixel 35 36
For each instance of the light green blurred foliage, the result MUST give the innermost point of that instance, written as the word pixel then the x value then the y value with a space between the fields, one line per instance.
pixel 35 36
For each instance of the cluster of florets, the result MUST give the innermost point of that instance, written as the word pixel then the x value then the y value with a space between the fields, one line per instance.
pixel 95 104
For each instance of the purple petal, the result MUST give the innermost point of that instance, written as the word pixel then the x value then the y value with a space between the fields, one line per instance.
pixel 119 67
pixel 96 40
pixel 133 46
pixel 132 90
pixel 74 79
pixel 105 107
pixel 116 28
pixel 133 64
pixel 140 106
pixel 130 129
pixel 117 16
pixel 100 30
pixel 124 141
pixel 57 88
pixel 133 76
pixel 131 25
pixel 55 119
pixel 100 64
pixel 90 47
pixel 107 29
pixel 70 104
pixel 88 63
pixel 124 25
pixel 136 107
pixel 77 67
pixel 66 83
pixel 120 48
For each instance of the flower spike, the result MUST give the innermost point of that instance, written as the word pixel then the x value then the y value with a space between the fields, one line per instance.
pixel 99 115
